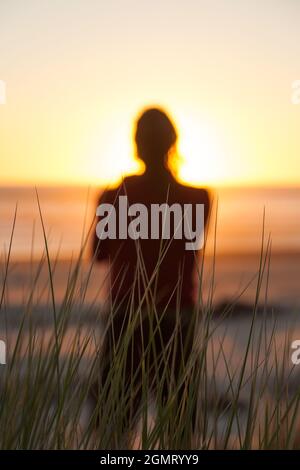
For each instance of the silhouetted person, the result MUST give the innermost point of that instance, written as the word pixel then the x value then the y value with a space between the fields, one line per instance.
pixel 154 278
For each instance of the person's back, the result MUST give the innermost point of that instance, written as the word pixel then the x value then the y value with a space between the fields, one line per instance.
pixel 163 267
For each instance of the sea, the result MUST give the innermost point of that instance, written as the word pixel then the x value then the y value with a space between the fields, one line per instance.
pixel 243 215
pixel 243 221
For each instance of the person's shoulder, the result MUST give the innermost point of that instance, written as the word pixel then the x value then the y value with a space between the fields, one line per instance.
pixel 132 186
pixel 195 193
pixel 109 195
pixel 131 181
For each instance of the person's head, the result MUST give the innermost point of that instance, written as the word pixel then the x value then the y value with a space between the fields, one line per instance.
pixel 155 136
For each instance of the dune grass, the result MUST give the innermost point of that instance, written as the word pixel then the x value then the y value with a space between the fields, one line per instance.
pixel 45 395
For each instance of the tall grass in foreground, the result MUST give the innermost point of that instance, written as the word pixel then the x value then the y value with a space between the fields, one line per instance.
pixel 45 395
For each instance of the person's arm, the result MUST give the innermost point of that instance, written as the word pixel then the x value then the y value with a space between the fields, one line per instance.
pixel 100 248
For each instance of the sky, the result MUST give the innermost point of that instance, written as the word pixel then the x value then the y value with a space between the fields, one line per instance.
pixel 78 72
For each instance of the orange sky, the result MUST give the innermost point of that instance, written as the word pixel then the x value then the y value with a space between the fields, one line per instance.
pixel 78 72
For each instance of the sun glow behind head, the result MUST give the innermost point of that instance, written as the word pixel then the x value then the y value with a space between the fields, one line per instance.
pixel 198 157
pixel 201 151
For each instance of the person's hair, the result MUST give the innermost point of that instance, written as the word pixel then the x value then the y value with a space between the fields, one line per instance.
pixel 155 136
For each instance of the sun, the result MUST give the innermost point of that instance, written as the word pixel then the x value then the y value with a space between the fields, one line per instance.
pixel 201 153
pixel 201 159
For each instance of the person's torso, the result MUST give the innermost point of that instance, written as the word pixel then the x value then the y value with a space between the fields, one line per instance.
pixel 156 267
